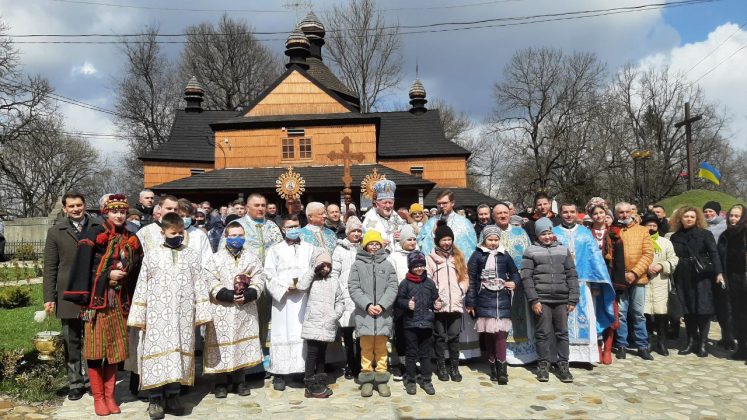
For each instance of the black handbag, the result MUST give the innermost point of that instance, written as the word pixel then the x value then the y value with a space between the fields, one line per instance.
pixel 702 265
pixel 674 305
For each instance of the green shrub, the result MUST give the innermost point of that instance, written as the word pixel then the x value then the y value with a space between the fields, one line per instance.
pixel 15 297
pixel 10 362
pixel 25 252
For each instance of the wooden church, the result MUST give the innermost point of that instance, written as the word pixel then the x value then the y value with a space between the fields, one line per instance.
pixel 300 121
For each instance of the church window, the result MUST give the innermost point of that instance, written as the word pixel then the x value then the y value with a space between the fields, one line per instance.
pixel 288 149
pixel 304 148
pixel 417 171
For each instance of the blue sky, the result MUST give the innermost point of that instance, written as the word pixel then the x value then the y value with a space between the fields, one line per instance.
pixel 459 67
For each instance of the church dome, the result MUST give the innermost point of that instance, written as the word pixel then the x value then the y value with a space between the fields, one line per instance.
pixel 417 90
pixel 193 87
pixel 311 25
pixel 297 39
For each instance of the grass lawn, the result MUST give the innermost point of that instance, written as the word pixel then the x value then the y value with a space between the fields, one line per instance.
pixel 17 326
pixel 698 198
pixel 11 273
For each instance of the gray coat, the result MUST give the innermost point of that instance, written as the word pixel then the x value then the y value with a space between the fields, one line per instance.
pixel 373 281
pixel 59 257
pixel 324 307
pixel 548 274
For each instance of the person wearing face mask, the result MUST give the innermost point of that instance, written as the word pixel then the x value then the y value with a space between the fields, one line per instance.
pixel 285 265
pixel 235 279
pixel 638 250
pixel 150 236
pixel 102 281
pixel 133 223
pixel 194 237
pixel 171 299
pixel 657 290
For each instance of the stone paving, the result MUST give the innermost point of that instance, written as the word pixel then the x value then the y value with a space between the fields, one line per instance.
pixel 674 387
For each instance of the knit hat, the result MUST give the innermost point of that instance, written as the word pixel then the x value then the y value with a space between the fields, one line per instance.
pixel 415 259
pixel 442 230
pixel 116 202
pixel 516 220
pixel 416 207
pixel 541 225
pixel 352 224
pixel 490 230
pixel 406 233
pixel 713 205
pixel 372 236
pixel 321 258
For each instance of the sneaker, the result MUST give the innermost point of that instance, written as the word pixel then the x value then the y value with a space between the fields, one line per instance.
pixel 620 353
pixel 348 373
pixel 411 387
pixel 173 406
pixel 155 409
pixel 564 373
pixel 221 391
pixel 396 371
pixel 278 383
pixel 543 371
pixel 428 387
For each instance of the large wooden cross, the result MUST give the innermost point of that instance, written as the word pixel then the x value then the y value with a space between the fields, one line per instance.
pixel 347 157
pixel 688 122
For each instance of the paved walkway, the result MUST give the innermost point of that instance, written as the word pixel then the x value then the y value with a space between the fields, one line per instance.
pixel 676 387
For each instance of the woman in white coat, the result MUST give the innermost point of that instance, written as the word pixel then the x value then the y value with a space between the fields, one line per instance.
pixel 342 260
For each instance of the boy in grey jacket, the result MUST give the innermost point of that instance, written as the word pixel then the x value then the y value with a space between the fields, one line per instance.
pixel 550 282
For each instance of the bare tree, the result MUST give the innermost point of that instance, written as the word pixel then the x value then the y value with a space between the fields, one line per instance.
pixel 147 97
pixel 40 164
pixel 22 98
pixel 456 124
pixel 365 50
pixel 229 62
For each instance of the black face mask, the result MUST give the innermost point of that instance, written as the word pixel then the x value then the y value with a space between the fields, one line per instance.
pixel 652 231
pixel 174 242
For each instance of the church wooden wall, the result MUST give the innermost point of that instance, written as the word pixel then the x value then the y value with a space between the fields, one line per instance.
pixel 444 171
pixel 263 147
pixel 159 172
pixel 296 95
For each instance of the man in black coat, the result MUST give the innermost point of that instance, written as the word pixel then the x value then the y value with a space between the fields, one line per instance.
pixel 145 205
pixel 59 257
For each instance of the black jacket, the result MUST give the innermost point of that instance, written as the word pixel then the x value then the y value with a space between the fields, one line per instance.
pixel 696 289
pixel 425 294
pixel 548 274
pixel 489 303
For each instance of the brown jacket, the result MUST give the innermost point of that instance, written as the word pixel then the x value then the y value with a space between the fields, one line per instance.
pixel 59 256
pixel 639 251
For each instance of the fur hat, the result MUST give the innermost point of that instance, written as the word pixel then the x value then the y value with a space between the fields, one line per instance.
pixel 372 236
pixel 442 230
pixel 415 259
pixel 713 205
pixel 352 224
pixel 541 225
pixel 406 233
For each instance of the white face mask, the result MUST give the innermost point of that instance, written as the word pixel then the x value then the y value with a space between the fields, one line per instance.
pixel 135 222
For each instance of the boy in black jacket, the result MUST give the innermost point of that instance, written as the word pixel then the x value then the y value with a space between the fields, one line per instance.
pixel 417 297
pixel 548 274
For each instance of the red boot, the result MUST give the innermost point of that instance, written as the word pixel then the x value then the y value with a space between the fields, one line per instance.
pixel 110 381
pixel 96 378
pixel 609 336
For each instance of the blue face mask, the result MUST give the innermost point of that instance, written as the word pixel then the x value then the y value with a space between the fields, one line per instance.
pixel 187 222
pixel 173 242
pixel 293 234
pixel 235 243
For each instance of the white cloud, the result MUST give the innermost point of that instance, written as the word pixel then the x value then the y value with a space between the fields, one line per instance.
pixel 720 74
pixel 86 69
pixel 83 120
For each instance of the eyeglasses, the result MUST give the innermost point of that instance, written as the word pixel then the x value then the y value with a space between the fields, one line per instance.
pixel 442 203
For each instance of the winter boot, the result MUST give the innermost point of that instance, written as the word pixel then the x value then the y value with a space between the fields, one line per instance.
pixel 96 377
pixel 691 346
pixel 428 387
pixel 441 372
pixel 381 379
pixel 564 373
pixel 543 371
pixel 134 384
pixel 314 388
pixel 502 373
pixel 278 383
pixel 454 371
pixel 741 353
pixel 243 389
pixel 411 386
pixel 221 391
pixel 173 405
pixel 661 322
pixel 155 409
pixel 366 379
pixel 493 372
pixel 110 382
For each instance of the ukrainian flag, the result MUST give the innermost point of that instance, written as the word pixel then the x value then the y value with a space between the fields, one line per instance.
pixel 707 171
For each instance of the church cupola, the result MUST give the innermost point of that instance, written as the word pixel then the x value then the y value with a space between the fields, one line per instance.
pixel 193 94
pixel 417 98
pixel 314 30
pixel 297 49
